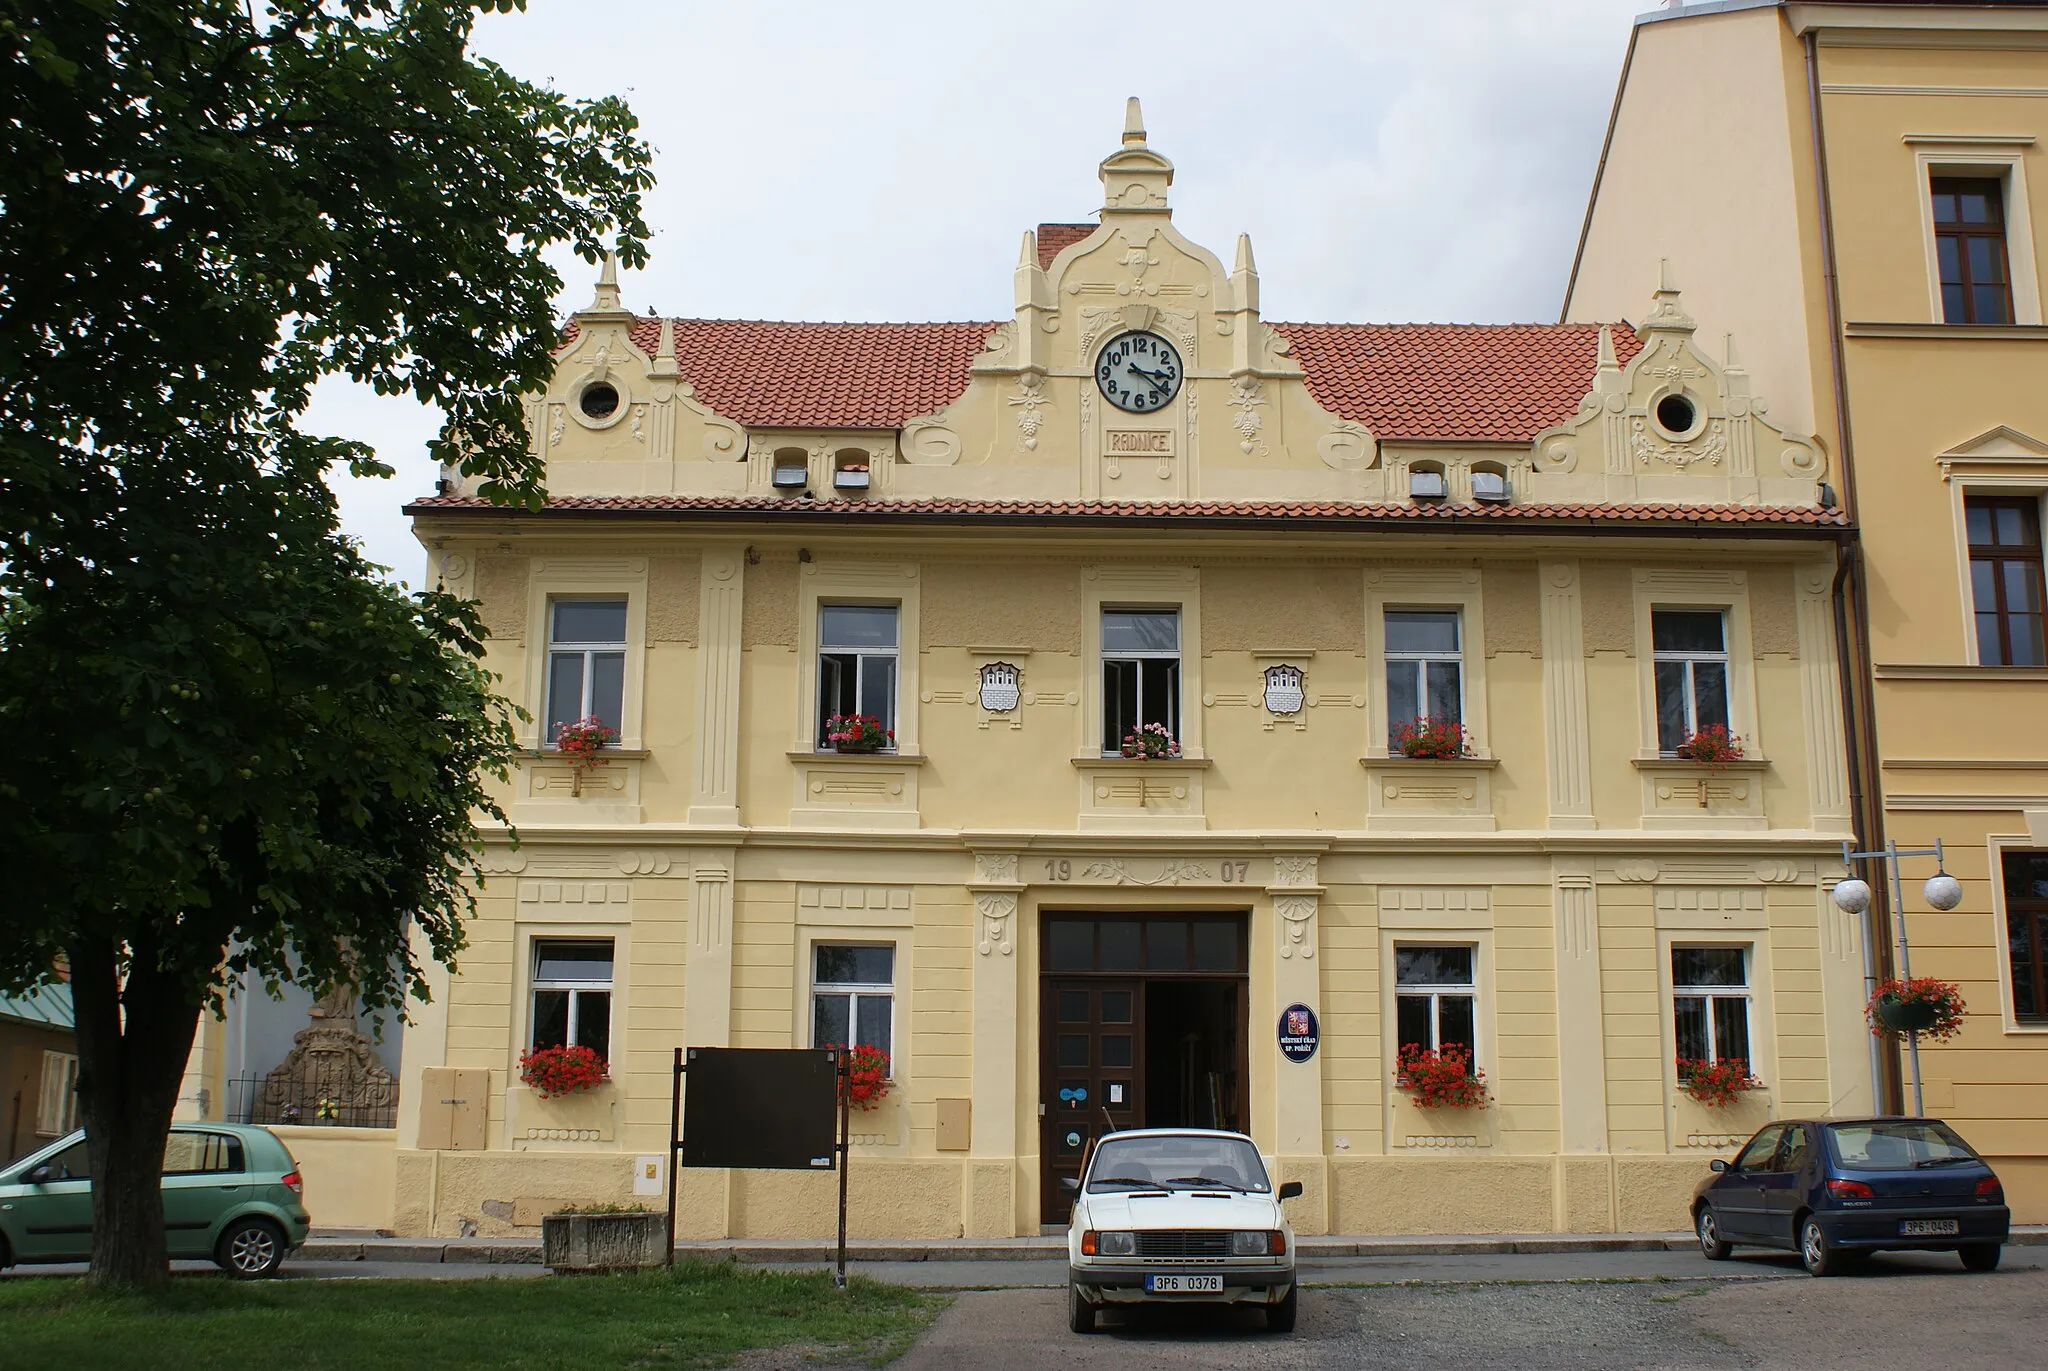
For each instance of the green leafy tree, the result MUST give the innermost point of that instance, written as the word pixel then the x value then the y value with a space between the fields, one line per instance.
pixel 228 747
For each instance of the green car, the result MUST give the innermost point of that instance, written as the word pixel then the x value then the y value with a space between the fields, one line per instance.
pixel 231 1193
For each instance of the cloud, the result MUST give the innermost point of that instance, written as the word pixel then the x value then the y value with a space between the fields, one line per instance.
pixel 829 161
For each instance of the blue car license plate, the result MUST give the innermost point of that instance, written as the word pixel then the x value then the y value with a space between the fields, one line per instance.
pixel 1184 1285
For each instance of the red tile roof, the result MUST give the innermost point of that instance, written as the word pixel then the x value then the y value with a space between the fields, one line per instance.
pixel 1490 383
pixel 1496 383
pixel 1054 238
pixel 1109 511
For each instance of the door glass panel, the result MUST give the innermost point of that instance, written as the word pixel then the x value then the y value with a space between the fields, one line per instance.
pixel 1215 946
pixel 1073 1006
pixel 1120 938
pixel 1166 945
pixel 1116 1049
pixel 1116 1005
pixel 1073 945
pixel 1073 1050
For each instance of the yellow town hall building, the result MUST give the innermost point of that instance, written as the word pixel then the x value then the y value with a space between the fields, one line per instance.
pixel 1137 502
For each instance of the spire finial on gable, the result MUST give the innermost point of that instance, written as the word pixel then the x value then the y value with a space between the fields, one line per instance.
pixel 1666 313
pixel 605 300
pixel 1135 178
pixel 1028 255
pixel 1134 124
pixel 1607 360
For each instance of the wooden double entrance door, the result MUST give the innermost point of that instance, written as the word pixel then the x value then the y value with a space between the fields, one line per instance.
pixel 1142 1025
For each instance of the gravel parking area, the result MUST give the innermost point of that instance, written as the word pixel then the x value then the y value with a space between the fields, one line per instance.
pixel 1904 1315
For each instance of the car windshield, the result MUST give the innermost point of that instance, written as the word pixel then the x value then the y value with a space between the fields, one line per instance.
pixel 1176 1161
pixel 1899 1146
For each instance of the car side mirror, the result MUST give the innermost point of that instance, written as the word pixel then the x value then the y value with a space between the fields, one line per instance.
pixel 1071 1184
pixel 1717 1165
pixel 1289 1189
pixel 41 1175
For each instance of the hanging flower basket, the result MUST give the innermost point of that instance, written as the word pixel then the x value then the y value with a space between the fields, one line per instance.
pixel 1441 1080
pixel 1435 737
pixel 1923 1006
pixel 1713 747
pixel 858 733
pixel 1716 1084
pixel 1150 742
pixel 867 1076
pixel 553 1071
pixel 580 743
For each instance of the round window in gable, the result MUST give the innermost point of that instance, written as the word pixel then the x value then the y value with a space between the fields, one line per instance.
pixel 1678 415
pixel 599 400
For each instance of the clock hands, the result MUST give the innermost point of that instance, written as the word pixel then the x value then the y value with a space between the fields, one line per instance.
pixel 1158 380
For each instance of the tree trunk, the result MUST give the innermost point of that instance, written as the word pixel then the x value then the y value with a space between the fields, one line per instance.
pixel 134 1035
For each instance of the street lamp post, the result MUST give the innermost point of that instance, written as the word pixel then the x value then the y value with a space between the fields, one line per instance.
pixel 1942 892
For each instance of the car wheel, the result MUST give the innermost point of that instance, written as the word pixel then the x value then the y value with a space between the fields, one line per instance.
pixel 1816 1252
pixel 1981 1256
pixel 1280 1317
pixel 1713 1246
pixel 251 1249
pixel 1080 1313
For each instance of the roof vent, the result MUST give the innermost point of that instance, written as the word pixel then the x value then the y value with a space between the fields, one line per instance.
pixel 1426 485
pixel 1489 488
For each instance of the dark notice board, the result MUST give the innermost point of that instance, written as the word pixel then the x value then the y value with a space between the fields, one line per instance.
pixel 761 1108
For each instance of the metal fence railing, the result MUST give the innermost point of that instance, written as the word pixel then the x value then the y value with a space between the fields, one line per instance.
pixel 254 1099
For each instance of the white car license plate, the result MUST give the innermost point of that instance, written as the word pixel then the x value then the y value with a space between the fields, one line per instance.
pixel 1184 1285
pixel 1927 1228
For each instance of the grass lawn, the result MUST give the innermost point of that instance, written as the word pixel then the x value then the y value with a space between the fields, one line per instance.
pixel 701 1315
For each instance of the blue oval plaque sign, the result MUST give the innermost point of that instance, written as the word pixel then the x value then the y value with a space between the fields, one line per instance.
pixel 1300 1034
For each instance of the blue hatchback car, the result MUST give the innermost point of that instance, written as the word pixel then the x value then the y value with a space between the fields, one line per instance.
pixel 1831 1189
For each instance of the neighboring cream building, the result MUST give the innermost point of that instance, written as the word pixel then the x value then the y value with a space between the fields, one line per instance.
pixel 1135 500
pixel 1893 153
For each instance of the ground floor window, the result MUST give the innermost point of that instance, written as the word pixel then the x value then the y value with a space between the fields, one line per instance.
pixel 853 996
pixel 1436 998
pixel 572 994
pixel 2026 932
pixel 1710 1004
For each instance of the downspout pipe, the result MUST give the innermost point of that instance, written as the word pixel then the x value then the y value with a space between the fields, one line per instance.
pixel 1851 604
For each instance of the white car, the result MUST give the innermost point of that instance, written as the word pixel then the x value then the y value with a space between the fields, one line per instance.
pixel 1179 1215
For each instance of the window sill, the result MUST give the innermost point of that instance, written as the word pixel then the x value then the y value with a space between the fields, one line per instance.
pixel 860 758
pixel 1400 763
pixel 1142 761
pixel 605 754
pixel 2027 333
pixel 1920 672
pixel 1748 764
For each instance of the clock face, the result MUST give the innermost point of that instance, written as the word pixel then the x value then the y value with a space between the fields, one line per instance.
pixel 1138 372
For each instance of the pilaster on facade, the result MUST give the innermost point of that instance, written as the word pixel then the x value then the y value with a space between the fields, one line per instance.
pixel 714 777
pixel 1581 1030
pixel 1567 739
pixel 995 1136
pixel 1827 756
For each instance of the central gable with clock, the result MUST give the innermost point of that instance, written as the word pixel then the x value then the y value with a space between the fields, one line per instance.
pixel 1136 368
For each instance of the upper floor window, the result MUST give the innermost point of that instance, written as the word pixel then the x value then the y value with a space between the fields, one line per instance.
pixel 1710 1004
pixel 1140 673
pixel 1689 650
pixel 2005 579
pixel 2026 928
pixel 1436 998
pixel 857 647
pixel 586 663
pixel 1970 248
pixel 572 994
pixel 1424 669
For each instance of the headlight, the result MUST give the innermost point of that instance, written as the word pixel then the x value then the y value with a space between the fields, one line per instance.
pixel 1259 1243
pixel 1094 1244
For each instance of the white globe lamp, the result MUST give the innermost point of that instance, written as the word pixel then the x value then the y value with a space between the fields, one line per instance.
pixel 1852 896
pixel 1943 891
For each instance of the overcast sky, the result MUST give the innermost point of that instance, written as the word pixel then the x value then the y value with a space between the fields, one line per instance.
pixel 1392 160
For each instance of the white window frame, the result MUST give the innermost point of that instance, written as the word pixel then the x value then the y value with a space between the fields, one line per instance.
pixel 1421 661
pixel 1436 993
pixel 854 991
pixel 1152 587
pixel 852 583
pixel 1997 845
pixel 57 1095
pixel 1691 659
pixel 583 578
pixel 1427 588
pixel 589 652
pixel 862 705
pixel 1138 657
pixel 1745 993
pixel 1987 156
pixel 536 984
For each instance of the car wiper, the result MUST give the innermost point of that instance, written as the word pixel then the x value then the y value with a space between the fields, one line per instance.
pixel 1945 1161
pixel 1127 1180
pixel 1208 1181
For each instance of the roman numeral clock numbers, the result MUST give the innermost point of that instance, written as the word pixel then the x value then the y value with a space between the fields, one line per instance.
pixel 1138 372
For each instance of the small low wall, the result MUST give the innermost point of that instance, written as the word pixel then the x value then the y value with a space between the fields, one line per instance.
pixel 350 1173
